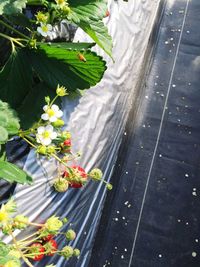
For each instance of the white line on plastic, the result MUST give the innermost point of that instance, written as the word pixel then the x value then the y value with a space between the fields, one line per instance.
pixel 158 137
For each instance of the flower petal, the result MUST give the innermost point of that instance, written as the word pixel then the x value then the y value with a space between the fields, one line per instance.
pixel 49 128
pixel 53 119
pixel 53 135
pixel 45 107
pixel 59 113
pixel 40 129
pixel 49 26
pixel 45 116
pixel 46 141
pixel 55 107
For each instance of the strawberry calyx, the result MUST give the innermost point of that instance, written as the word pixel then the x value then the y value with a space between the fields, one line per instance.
pixel 51 247
pixel 37 248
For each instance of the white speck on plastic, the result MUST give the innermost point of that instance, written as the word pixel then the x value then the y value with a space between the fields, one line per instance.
pixel 194 254
pixel 116 219
pixel 118 211
pixel 166 42
pixel 126 203
pixel 146 96
pixel 194 194
pixel 179 220
pixel 160 155
pixel 188 32
pixel 126 172
pixel 187 223
pixel 122 256
pixel 123 218
pixel 125 249
pixel 124 133
pixel 186 175
pixel 196 240
pixel 129 205
pixel 160 255
pixel 115 247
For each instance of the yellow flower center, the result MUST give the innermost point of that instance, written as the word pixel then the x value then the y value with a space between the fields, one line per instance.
pixel 46 134
pixel 60 2
pixel 44 28
pixel 3 216
pixel 50 112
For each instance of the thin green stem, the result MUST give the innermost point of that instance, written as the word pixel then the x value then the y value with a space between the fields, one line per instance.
pixel 13 29
pixel 21 253
pixel 24 239
pixel 28 142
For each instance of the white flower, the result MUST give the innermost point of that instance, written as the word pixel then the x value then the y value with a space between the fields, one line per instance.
pixel 51 113
pixel 45 30
pixel 45 135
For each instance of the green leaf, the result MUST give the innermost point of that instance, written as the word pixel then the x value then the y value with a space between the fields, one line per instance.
pixel 99 33
pixel 89 9
pixel 3 135
pixel 88 15
pixel 73 46
pixel 9 7
pixel 20 19
pixel 15 78
pixel 12 173
pixel 3 152
pixel 27 116
pixel 9 122
pixel 62 66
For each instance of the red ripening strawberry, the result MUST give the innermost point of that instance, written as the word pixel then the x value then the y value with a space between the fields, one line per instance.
pixel 37 248
pixel 53 246
pixel 67 142
pixel 47 237
pixel 82 173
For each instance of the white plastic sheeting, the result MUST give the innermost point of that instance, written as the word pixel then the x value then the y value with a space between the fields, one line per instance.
pixel 97 122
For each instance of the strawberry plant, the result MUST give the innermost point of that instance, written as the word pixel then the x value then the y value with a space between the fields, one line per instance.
pixel 35 246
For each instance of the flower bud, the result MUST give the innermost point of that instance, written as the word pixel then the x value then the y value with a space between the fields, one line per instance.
pixel 109 186
pixel 20 221
pixel 32 43
pixel 67 252
pixel 51 149
pixel 61 91
pixel 66 135
pixel 47 100
pixel 41 17
pixel 58 123
pixel 42 150
pixel 65 220
pixel 66 9
pixel 61 185
pixel 70 235
pixel 7 229
pixel 96 174
pixel 76 252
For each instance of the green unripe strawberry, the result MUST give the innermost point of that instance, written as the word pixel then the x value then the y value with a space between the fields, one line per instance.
pixel 70 235
pixel 61 185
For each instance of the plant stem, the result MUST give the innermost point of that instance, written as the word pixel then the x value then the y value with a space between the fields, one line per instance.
pixel 21 253
pixel 28 141
pixel 13 29
pixel 24 239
